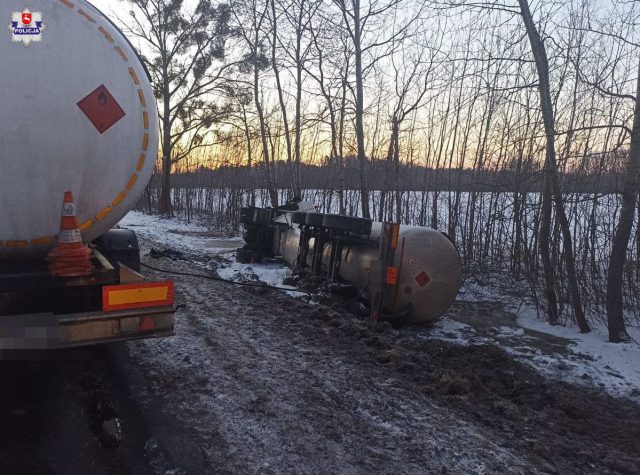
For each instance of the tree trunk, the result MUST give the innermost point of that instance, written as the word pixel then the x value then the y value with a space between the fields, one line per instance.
pixel 165 188
pixel 247 134
pixel 273 192
pixel 615 317
pixel 396 177
pixel 362 158
pixel 283 108
pixel 552 178
pixel 343 112
pixel 298 117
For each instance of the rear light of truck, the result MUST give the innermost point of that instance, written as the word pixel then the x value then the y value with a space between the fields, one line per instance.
pixel 134 296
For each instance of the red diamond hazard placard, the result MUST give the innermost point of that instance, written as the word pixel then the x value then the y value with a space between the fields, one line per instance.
pixel 423 279
pixel 101 109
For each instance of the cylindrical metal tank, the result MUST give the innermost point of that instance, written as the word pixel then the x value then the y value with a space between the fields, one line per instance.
pixel 430 268
pixel 77 113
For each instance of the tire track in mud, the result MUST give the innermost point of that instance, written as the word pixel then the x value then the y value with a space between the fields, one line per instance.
pixel 505 396
pixel 302 388
pixel 298 406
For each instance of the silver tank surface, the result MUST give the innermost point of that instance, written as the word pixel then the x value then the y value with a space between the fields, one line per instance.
pixel 430 275
pixel 77 113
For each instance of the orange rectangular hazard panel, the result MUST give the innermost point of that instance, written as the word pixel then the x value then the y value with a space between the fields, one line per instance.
pixel 392 275
pixel 143 295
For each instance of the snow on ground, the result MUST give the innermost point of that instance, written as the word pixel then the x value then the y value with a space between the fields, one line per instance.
pixel 560 352
pixel 178 234
pixel 591 359
pixel 616 366
pixel 198 240
pixel 272 274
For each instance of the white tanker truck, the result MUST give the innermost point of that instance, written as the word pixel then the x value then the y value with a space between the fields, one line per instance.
pixel 78 113
pixel 416 271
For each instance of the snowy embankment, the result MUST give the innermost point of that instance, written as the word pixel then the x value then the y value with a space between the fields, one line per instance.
pixel 557 351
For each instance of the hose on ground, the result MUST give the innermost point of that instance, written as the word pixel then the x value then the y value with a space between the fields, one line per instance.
pixel 220 279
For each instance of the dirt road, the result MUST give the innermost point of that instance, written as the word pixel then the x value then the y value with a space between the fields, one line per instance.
pixel 267 383
pixel 264 383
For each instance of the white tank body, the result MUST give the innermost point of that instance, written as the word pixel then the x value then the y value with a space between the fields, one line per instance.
pixel 430 268
pixel 78 113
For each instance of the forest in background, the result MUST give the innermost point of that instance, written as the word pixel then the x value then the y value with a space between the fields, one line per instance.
pixel 431 102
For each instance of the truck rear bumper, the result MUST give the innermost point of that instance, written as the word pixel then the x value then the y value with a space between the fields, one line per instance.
pixel 116 326
pixel 48 331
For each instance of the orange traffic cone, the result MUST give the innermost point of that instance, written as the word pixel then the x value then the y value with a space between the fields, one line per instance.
pixel 70 258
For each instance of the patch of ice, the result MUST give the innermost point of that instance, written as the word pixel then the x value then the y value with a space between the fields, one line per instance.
pixel 176 234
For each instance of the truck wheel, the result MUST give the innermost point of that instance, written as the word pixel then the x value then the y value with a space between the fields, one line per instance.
pixel 336 221
pixel 120 246
pixel 243 256
pixel 299 218
pixel 361 226
pixel 315 219
pixel 252 215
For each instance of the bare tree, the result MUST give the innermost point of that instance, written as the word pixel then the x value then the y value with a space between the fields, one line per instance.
pixel 412 77
pixel 615 307
pixel 186 50
pixel 275 18
pixel 361 22
pixel 552 180
pixel 255 61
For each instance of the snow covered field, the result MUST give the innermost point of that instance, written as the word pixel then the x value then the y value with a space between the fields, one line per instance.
pixel 585 359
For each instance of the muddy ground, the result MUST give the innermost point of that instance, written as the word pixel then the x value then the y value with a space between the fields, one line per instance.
pixel 260 382
pixel 294 387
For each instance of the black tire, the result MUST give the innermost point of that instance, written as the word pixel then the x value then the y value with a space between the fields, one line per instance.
pixel 299 218
pixel 264 216
pixel 315 219
pixel 252 215
pixel 340 222
pixel 243 255
pixel 120 246
pixel 337 221
pixel 361 226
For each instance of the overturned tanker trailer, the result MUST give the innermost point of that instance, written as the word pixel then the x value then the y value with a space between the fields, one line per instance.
pixel 424 272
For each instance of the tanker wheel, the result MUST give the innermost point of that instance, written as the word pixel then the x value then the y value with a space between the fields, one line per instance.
pixel 253 215
pixel 299 218
pixel 336 221
pixel 361 226
pixel 120 246
pixel 247 215
pixel 243 255
pixel 264 216
pixel 315 219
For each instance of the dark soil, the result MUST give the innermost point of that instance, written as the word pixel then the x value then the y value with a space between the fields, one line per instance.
pixel 258 382
pixel 68 414
pixel 563 426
